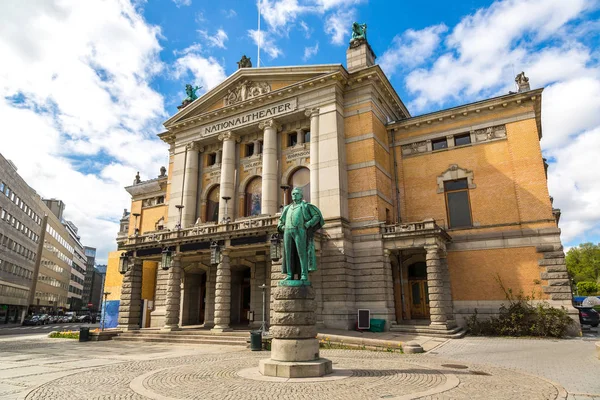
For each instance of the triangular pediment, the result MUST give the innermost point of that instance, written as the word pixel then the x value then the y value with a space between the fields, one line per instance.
pixel 248 83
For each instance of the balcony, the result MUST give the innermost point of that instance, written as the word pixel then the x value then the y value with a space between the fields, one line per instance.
pixel 414 234
pixel 246 227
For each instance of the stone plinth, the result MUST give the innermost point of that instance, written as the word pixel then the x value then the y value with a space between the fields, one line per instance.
pixel 294 348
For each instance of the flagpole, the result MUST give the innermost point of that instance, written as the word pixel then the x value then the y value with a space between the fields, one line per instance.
pixel 258 58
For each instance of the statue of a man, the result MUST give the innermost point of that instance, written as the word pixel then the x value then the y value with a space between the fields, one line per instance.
pixel 298 222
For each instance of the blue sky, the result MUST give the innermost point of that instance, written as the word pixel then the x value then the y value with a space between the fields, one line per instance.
pixel 87 85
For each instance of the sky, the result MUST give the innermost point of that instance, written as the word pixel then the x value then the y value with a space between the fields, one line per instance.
pixel 86 85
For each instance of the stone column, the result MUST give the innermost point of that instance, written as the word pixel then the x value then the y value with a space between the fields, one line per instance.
pixel 223 294
pixel 173 303
pixel 435 283
pixel 300 136
pixel 218 157
pixel 314 155
pixel 130 307
pixel 269 167
pixel 209 312
pixel 227 174
pixel 256 147
pixel 190 186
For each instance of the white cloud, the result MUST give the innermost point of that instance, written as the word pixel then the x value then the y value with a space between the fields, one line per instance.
pixel 231 13
pixel 280 14
pixel 180 3
pixel 338 25
pixel 483 48
pixel 77 101
pixel 327 5
pixel 306 29
pixel 310 51
pixel 267 44
pixel 216 40
pixel 206 71
pixel 411 49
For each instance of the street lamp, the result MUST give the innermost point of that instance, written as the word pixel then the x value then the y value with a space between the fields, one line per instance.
pixel 166 258
pixel 285 189
pixel 263 326
pixel 123 262
pixel 215 253
pixel 226 218
pixel 275 247
pixel 180 208
pixel 104 311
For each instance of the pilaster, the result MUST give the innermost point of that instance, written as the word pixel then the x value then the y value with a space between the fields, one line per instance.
pixel 173 303
pixel 209 312
pixel 223 294
pixel 130 311
pixel 313 114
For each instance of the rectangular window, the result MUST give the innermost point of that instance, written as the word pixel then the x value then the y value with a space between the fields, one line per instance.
pixel 457 203
pixel 439 144
pixel 212 159
pixel 461 140
pixel 2 185
pixel 292 139
pixel 249 149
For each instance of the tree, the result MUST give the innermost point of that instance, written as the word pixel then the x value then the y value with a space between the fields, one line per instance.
pixel 583 262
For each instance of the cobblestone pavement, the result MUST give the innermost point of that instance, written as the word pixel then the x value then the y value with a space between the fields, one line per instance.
pixel 61 369
pixel 571 363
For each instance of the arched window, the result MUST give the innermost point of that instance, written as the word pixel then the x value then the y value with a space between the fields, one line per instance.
pixel 253 197
pixel 212 204
pixel 301 179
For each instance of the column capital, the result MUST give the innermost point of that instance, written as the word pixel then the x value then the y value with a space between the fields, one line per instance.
pixel 270 123
pixel 194 146
pixel 432 248
pixel 229 135
pixel 311 112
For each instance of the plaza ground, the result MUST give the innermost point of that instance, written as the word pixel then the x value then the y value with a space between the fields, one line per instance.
pixel 35 367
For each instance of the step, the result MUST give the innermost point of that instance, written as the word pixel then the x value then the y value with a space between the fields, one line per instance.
pixel 454 333
pixel 178 341
pixel 187 336
pixel 186 332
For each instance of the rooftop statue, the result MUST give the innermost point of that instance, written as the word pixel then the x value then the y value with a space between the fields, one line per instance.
pixel 191 92
pixel 244 62
pixel 359 31
pixel 299 221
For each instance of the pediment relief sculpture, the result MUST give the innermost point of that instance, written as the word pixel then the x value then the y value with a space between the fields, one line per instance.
pixel 246 90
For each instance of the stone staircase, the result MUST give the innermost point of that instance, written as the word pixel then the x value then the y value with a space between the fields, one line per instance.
pixel 185 336
pixel 426 330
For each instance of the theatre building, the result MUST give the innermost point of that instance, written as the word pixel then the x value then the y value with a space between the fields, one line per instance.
pixel 425 217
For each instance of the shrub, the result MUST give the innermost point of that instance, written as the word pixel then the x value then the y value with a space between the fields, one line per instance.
pixel 65 335
pixel 587 288
pixel 521 318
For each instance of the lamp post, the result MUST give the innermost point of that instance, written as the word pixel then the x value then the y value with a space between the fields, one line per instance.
pixel 226 218
pixel 104 311
pixel 166 258
pixel 180 208
pixel 263 326
pixel 136 231
pixel 124 262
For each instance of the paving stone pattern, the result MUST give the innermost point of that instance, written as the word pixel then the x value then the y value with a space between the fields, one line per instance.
pixel 61 369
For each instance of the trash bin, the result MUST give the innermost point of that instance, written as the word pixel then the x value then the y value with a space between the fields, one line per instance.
pixel 377 325
pixel 256 340
pixel 84 334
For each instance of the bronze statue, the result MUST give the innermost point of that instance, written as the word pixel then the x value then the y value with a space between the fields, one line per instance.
pixel 244 62
pixel 191 92
pixel 359 31
pixel 299 221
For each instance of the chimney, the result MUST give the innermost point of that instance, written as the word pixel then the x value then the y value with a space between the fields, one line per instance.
pixel 359 54
pixel 523 82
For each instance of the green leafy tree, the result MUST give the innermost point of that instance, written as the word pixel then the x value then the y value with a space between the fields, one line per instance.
pixel 583 262
pixel 587 288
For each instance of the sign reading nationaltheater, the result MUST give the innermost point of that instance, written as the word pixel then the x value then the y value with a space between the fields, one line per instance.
pixel 252 117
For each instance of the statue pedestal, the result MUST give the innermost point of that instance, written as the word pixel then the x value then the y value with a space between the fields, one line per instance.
pixel 294 348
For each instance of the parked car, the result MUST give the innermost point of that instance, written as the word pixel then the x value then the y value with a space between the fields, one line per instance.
pixel 44 319
pixel 85 319
pixel 32 320
pixel 588 316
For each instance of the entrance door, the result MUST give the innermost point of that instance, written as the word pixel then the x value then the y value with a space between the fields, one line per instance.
pixel 245 297
pixel 418 290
